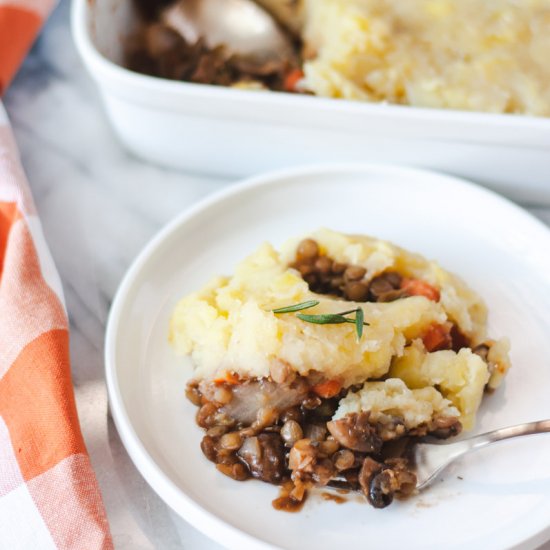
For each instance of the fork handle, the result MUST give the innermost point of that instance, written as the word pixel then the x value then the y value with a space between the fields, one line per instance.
pixel 433 458
pixel 530 428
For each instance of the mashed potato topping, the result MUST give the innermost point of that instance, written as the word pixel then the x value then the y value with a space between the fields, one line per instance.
pixel 463 54
pixel 460 376
pixel 393 398
pixel 229 327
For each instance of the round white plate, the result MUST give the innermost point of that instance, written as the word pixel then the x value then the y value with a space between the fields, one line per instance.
pixel 498 498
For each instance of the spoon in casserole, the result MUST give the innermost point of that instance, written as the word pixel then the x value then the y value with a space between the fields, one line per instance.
pixel 433 457
pixel 241 26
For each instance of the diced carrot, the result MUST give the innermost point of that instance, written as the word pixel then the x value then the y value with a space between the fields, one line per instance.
pixel 228 378
pixel 327 389
pixel 292 78
pixel 437 337
pixel 416 287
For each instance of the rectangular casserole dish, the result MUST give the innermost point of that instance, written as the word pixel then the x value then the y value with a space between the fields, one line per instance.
pixel 233 132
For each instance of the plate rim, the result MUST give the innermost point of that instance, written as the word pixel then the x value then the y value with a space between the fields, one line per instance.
pixel 191 511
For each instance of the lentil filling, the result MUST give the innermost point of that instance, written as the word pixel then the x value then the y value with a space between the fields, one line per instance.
pixel 326 276
pixel 299 446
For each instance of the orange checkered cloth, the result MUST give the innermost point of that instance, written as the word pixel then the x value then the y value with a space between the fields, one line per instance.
pixel 49 496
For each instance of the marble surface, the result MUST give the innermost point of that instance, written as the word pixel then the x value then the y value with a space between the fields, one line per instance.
pixel 99 206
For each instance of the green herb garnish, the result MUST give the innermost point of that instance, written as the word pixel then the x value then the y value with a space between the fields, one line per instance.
pixel 323 319
pixel 297 307
pixel 359 322
pixel 327 318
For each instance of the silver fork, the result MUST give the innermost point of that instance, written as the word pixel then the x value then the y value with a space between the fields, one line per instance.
pixel 432 458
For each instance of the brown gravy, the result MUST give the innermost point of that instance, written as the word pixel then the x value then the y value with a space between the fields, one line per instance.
pixel 285 503
pixel 334 498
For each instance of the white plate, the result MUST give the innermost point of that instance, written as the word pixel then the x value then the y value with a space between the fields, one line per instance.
pixel 503 500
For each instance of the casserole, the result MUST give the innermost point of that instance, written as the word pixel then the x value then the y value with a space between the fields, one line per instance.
pixel 234 132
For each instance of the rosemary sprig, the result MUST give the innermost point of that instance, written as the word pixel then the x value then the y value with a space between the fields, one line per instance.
pixel 327 318
pixel 359 322
pixel 323 319
pixel 297 307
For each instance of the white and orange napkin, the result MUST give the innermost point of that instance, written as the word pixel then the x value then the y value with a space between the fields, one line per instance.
pixel 49 496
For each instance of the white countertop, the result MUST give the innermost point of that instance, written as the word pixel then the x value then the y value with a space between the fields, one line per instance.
pixel 99 206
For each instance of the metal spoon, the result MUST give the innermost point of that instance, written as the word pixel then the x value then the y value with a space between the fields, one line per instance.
pixel 242 26
pixel 432 458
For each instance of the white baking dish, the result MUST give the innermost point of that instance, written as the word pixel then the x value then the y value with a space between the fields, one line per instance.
pixel 234 132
